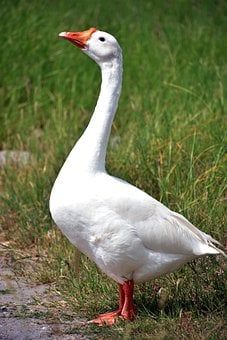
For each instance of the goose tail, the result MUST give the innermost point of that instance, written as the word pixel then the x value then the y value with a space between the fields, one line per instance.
pixel 207 244
pixel 214 247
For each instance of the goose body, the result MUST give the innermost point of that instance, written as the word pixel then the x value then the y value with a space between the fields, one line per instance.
pixel 131 236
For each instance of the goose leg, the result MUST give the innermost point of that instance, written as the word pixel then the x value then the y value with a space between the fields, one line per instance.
pixel 111 317
pixel 128 311
pixel 126 307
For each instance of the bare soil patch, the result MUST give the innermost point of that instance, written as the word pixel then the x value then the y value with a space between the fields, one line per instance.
pixel 33 311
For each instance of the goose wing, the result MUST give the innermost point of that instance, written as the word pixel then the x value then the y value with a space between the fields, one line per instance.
pixel 159 228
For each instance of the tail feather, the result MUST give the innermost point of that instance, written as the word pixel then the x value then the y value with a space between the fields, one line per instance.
pixel 208 245
pixel 212 246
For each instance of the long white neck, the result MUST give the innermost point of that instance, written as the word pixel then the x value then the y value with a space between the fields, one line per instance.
pixel 90 151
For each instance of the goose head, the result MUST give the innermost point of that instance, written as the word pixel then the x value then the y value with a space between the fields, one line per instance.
pixel 100 46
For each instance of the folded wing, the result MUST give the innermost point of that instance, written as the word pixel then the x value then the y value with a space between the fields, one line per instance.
pixel 159 228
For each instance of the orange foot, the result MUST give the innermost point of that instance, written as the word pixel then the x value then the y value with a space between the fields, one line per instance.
pixel 107 319
pixel 126 308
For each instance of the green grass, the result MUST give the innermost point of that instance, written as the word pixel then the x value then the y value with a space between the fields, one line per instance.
pixel 170 137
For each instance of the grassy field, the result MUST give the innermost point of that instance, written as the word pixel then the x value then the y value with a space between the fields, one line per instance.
pixel 167 138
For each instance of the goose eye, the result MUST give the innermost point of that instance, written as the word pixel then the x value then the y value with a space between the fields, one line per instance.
pixel 102 39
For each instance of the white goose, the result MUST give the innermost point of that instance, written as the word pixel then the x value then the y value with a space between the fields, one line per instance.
pixel 129 235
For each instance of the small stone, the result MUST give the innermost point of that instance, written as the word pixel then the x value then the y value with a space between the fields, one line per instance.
pixel 14 157
pixel 4 309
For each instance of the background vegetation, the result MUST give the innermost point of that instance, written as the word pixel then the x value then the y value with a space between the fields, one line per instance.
pixel 167 138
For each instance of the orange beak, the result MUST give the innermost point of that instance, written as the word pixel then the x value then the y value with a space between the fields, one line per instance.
pixel 78 38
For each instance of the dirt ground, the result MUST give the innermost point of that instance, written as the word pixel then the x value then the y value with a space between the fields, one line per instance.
pixel 29 311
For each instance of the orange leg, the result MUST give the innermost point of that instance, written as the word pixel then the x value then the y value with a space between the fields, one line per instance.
pixel 126 307
pixel 128 311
